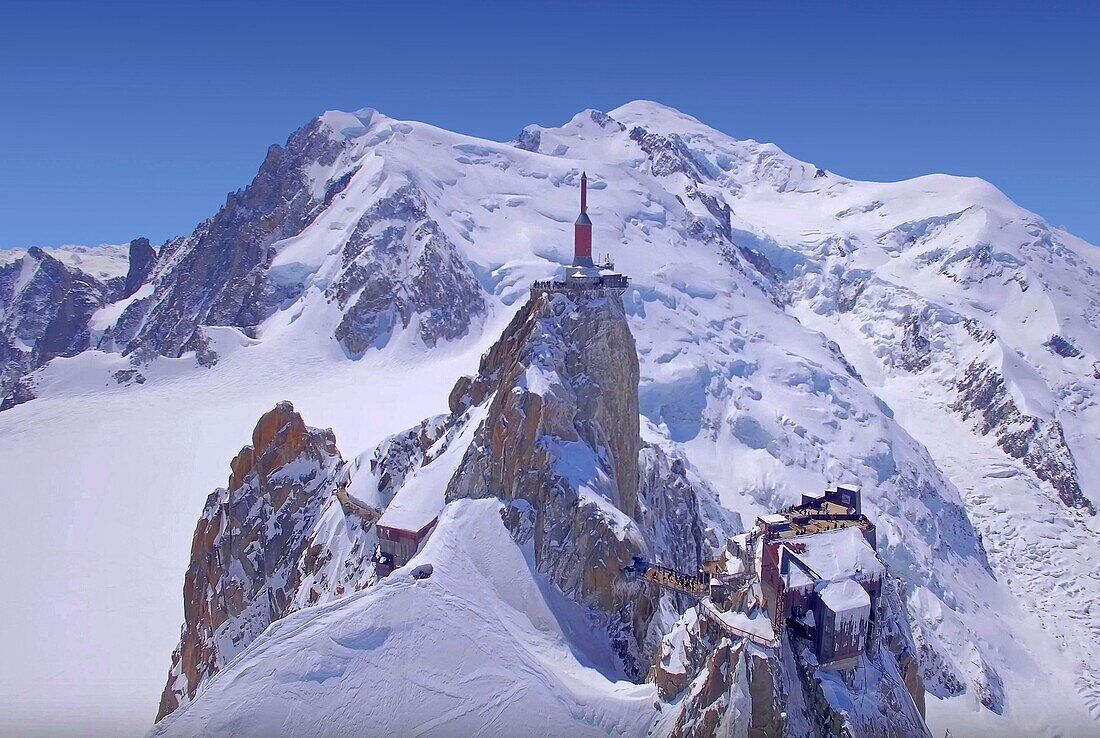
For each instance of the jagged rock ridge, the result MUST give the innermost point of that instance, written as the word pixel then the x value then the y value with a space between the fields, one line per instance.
pixel 556 438
pixel 398 264
pixel 561 445
pixel 281 536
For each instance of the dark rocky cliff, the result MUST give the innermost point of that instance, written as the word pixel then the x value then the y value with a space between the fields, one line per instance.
pixel 45 306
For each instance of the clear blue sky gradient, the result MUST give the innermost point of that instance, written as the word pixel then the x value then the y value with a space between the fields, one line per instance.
pixel 120 119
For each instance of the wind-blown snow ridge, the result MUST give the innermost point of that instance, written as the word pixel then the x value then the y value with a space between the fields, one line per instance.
pixel 473 648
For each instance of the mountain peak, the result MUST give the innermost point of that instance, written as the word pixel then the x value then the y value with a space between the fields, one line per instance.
pixel 648 113
pixel 350 125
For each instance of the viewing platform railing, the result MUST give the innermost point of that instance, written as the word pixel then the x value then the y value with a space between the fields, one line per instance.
pixel 712 615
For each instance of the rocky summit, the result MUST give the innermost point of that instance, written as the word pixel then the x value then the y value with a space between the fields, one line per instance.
pixel 560 444
pixel 256 554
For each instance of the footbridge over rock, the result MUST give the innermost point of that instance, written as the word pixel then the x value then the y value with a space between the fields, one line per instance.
pixel 699 587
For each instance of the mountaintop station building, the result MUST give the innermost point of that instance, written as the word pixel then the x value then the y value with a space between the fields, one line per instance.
pixel 584 274
pixel 820 574
pixel 811 571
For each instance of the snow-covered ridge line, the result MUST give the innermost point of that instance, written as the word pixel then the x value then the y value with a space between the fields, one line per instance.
pixel 102 262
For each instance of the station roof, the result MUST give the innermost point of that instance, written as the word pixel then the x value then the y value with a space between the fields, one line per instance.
pixel 423 495
pixel 836 555
pixel 844 595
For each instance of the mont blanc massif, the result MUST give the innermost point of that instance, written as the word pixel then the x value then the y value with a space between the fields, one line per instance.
pixel 625 427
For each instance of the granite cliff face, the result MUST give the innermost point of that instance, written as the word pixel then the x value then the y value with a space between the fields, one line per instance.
pixel 46 305
pixel 143 257
pixel 715 686
pixel 398 266
pixel 218 275
pixel 560 444
pixel 1041 445
pixel 44 310
pixel 396 269
pixel 281 536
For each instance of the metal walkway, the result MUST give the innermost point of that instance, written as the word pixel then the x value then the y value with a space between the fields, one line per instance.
pixel 697 587
pixel 712 615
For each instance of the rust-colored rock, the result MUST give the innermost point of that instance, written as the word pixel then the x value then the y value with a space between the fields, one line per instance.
pixel 249 546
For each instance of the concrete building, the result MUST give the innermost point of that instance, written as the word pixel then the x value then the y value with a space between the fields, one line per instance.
pixel 820 574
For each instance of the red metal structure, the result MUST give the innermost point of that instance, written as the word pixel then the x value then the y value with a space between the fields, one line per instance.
pixel 584 275
pixel 582 230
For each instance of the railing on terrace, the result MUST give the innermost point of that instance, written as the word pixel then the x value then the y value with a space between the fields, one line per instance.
pixel 712 615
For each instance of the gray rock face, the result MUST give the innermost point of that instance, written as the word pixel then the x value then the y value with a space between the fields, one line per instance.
pixel 218 275
pixel 529 140
pixel 398 455
pixel 564 453
pixel 400 267
pixel 1063 346
pixel 727 689
pixel 667 154
pixel 1041 445
pixel 561 445
pixel 143 257
pixel 916 349
pixel 44 311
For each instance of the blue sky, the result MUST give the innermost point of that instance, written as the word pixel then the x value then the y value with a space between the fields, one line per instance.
pixel 120 119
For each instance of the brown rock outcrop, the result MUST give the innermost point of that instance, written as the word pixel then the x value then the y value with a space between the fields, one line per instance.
pixel 560 443
pixel 254 555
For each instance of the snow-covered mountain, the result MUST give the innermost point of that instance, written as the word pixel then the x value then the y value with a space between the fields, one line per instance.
pixel 103 262
pixel 927 339
pixel 48 298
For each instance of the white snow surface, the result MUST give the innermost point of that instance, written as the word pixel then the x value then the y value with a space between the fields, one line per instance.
pixel 741 370
pixel 475 649
pixel 102 262
pixel 836 555
pixel 422 495
pixel 845 595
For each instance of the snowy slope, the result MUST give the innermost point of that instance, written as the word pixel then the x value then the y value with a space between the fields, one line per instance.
pixel 102 262
pixel 773 310
pixel 472 650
